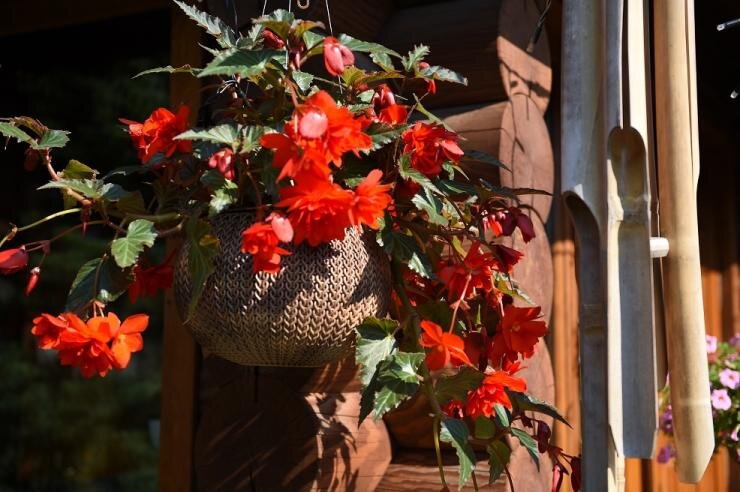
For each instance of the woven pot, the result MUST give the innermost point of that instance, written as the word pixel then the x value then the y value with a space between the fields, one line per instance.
pixel 304 316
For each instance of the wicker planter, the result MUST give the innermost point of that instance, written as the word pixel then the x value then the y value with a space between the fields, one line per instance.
pixel 302 317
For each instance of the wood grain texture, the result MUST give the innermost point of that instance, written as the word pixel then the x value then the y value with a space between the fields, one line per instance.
pixel 489 50
pixel 284 429
pixel 180 357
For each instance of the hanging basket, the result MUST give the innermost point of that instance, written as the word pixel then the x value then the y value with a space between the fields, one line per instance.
pixel 304 316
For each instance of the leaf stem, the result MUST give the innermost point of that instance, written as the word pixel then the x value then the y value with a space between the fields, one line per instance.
pixel 49 217
pixel 438 450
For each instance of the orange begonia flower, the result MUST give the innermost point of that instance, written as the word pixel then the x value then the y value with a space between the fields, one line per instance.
pixel 370 200
pixel 518 332
pixel 156 134
pixel 430 146
pixel 481 401
pixel 261 241
pixel 446 348
pixel 475 271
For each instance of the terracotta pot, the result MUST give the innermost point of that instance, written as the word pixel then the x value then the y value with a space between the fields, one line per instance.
pixel 304 316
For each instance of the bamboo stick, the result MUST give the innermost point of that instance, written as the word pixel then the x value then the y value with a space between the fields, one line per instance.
pixel 677 169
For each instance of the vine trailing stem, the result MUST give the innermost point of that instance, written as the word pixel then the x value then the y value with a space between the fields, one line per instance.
pixel 438 450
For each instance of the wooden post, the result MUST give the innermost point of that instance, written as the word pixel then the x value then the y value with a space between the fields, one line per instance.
pixel 675 105
pixel 180 356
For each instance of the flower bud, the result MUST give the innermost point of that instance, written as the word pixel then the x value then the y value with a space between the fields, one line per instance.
pixel 33 280
pixel 13 260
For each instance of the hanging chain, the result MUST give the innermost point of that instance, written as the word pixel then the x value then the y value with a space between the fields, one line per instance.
pixel 328 16
pixel 303 4
pixel 264 7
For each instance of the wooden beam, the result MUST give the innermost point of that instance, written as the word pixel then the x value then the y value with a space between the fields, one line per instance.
pixel 180 358
pixel 21 16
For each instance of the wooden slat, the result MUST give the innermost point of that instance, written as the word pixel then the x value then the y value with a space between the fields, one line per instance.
pixel 19 16
pixel 181 356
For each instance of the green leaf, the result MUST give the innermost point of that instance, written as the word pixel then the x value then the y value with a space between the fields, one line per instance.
pixel 126 250
pixel 484 428
pixel 382 134
pixel 403 367
pixel 244 63
pixel 302 79
pixel 405 249
pixel 415 56
pixel 395 381
pixel 279 22
pixel 430 116
pixel 170 69
pixel 367 397
pixel 312 39
pixel 444 74
pixel 91 188
pixel 502 418
pixel 408 172
pixel 77 170
pixel 132 204
pixel 225 191
pixel 456 387
pixel 250 138
pixel 375 342
pixel 455 432
pixel 383 60
pixel 202 248
pixel 226 133
pixel 12 131
pixel 525 402
pixel 111 283
pixel 51 139
pixel 480 156
pixel 217 28
pixel 365 46
pixel 499 455
pixel 427 202
pixel 449 187
pixel 529 443
pixel 386 400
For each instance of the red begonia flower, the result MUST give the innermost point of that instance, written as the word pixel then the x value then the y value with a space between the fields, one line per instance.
pixel 223 161
pixel 336 56
pixel 502 222
pixel 156 134
pixel 476 271
pixel 430 146
pixel 447 349
pixel 393 115
pixel 518 332
pixel 85 345
pixel 13 260
pixel 318 210
pixel 48 329
pixel 507 257
pixel 271 40
pixel 149 281
pixel 126 337
pixel 481 401
pixel 261 241
pixel 370 200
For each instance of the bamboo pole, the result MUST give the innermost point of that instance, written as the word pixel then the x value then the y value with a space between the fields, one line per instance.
pixel 677 170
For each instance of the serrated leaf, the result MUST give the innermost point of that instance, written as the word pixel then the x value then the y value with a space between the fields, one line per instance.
pixel 386 400
pixel 169 69
pixel 455 432
pixel 405 249
pixel 244 63
pixel 250 138
pixel 529 443
pixel 480 156
pixel 224 191
pixel 279 22
pixel 365 46
pixel 408 172
pixel 449 187
pixel 226 134
pixel 90 188
pixel 382 134
pixel 132 204
pixel 414 57
pixel 403 367
pixel 217 28
pixel 525 402
pixel 383 60
pixel 12 131
pixel 375 342
pixel 499 455
pixel 443 74
pixel 112 282
pixel 51 139
pixel 484 428
pixel 418 106
pixel 77 170
pixel 427 202
pixel 312 40
pixel 456 387
pixel 302 79
pixel 202 248
pixel 126 250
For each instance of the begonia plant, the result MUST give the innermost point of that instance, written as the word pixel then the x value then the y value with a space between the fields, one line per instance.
pixel 312 154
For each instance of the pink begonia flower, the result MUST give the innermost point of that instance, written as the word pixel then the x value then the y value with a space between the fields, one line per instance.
pixel 735 340
pixel 729 378
pixel 711 344
pixel 733 436
pixel 336 56
pixel 721 400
